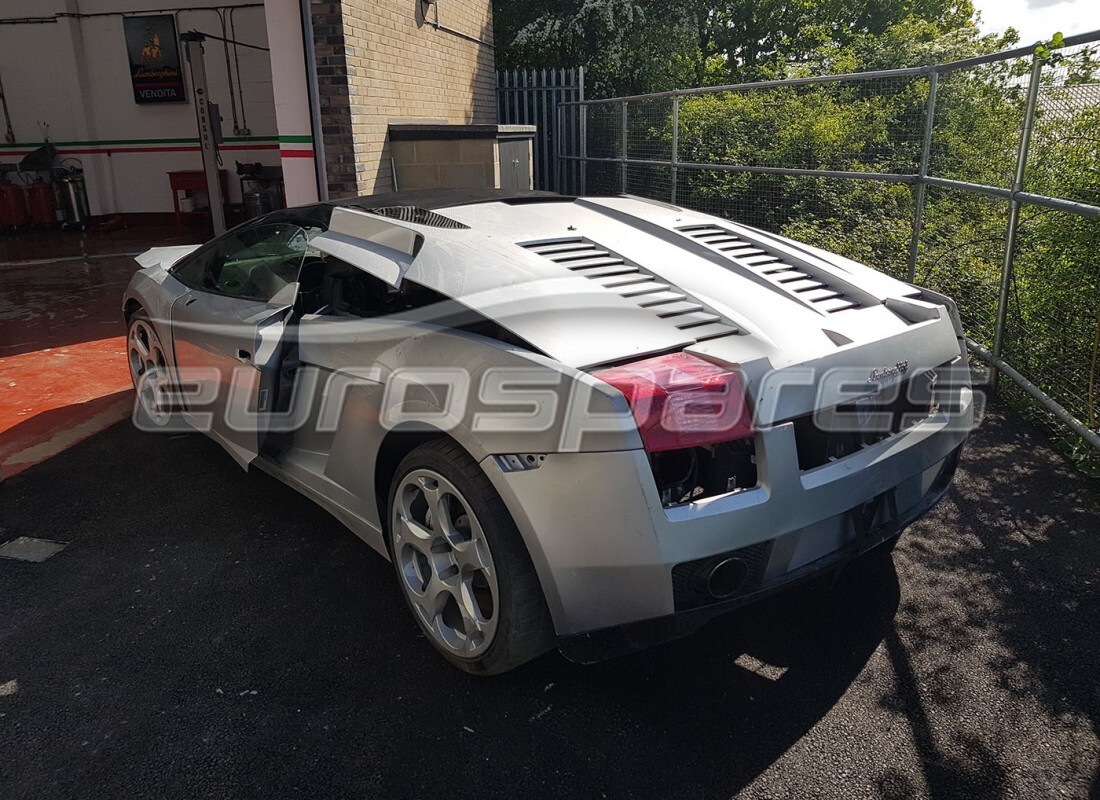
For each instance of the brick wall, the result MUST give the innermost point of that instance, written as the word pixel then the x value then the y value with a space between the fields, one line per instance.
pixel 381 61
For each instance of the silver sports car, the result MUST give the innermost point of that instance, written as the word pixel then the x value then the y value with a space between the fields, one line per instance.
pixel 589 422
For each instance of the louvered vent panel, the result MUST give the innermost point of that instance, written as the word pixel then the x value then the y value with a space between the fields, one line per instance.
pixel 631 281
pixel 420 216
pixel 788 277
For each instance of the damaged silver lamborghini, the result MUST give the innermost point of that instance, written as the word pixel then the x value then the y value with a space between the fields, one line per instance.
pixel 590 423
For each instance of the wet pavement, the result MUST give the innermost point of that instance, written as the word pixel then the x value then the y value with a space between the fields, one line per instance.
pixel 52 245
pixel 63 303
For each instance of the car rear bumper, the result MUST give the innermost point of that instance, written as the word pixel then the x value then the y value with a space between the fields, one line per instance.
pixel 611 557
pixel 605 643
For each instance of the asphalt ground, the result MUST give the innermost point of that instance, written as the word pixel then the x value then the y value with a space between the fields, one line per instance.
pixel 209 633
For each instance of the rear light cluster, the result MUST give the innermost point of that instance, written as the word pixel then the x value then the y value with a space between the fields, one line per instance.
pixel 695 423
pixel 696 473
pixel 682 401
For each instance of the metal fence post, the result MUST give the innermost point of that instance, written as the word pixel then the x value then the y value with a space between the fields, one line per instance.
pixel 675 147
pixel 922 186
pixel 583 169
pixel 559 126
pixel 583 188
pixel 622 189
pixel 1014 213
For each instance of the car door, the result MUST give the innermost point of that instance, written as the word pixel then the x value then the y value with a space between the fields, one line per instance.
pixel 228 330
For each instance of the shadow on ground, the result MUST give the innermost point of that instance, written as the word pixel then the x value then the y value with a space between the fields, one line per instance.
pixel 208 633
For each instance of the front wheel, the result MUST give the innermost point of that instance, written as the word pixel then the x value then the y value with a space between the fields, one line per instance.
pixel 149 373
pixel 462 565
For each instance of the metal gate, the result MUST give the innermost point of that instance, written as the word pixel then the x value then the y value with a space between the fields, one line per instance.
pixel 531 97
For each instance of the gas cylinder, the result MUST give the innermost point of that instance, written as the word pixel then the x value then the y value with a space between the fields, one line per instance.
pixel 43 204
pixel 73 195
pixel 13 206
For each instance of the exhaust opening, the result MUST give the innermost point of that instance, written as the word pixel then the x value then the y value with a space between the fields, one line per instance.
pixel 726 578
pixel 720 577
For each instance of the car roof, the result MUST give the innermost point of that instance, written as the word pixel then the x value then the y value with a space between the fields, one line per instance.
pixel 427 199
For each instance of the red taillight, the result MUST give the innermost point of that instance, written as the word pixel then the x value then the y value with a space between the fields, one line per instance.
pixel 681 401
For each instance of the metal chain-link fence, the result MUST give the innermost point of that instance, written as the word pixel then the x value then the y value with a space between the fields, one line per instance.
pixel 978 178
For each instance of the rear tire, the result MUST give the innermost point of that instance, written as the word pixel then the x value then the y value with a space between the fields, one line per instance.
pixel 463 568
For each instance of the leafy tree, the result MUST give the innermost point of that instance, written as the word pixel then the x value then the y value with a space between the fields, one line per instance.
pixel 636 46
pixel 625 46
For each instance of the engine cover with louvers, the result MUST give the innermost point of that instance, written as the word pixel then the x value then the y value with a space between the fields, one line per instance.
pixel 798 279
pixel 604 280
pixel 584 257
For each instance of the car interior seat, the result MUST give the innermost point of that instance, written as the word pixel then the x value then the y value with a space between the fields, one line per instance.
pixel 311 280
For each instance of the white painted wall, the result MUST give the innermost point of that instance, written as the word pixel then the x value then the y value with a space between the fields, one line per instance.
pixel 73 76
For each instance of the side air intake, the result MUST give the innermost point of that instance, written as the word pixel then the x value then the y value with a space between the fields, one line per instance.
pixel 797 280
pixel 627 279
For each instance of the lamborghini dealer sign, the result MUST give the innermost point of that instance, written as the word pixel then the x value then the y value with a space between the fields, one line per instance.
pixel 154 59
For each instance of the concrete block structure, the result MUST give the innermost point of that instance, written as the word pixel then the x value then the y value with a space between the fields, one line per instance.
pixel 443 156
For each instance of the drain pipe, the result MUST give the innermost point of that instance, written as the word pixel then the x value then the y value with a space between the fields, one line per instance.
pixel 229 73
pixel 245 131
pixel 439 26
pixel 314 101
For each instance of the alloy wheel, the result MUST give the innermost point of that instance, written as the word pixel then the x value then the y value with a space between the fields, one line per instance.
pixel 444 563
pixel 148 370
